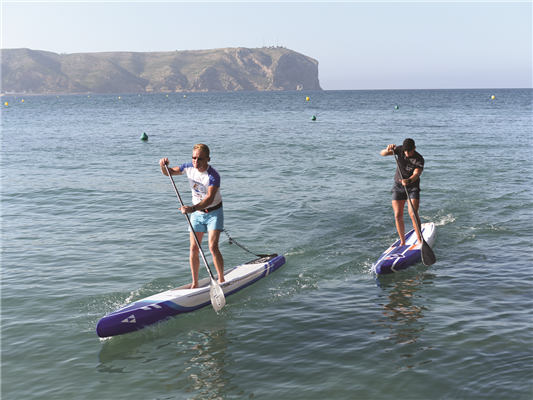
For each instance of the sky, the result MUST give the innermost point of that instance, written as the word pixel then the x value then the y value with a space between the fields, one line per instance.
pixel 358 45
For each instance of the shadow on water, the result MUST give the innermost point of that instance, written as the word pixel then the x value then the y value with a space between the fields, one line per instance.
pixel 194 362
pixel 404 308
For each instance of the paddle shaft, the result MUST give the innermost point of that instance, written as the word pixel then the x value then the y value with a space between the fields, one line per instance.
pixel 190 224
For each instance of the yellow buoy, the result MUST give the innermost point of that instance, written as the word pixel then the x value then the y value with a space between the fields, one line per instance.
pixel 183 95
pixel 23 100
pixel 307 99
pixel 167 95
pixel 7 103
pixel 493 97
pixel 119 98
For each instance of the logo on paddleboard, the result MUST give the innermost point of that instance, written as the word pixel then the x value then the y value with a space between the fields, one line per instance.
pixel 148 308
pixel 130 320
pixel 393 256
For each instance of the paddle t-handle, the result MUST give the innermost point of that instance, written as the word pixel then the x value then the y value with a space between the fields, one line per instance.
pixel 218 300
pixel 428 256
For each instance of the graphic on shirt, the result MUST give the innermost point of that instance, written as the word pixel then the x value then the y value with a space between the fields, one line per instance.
pixel 411 164
pixel 199 190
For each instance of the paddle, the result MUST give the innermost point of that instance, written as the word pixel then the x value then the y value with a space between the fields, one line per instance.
pixel 217 295
pixel 428 257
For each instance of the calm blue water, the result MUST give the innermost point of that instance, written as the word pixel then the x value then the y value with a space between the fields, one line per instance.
pixel 89 224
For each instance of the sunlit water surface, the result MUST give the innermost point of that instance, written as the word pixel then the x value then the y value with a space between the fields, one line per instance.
pixel 90 224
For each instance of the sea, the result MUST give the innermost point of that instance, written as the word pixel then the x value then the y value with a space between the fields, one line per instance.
pixel 89 224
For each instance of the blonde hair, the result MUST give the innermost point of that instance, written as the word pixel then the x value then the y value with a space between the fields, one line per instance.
pixel 201 147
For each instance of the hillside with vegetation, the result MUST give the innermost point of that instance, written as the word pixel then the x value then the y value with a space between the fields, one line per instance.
pixel 218 70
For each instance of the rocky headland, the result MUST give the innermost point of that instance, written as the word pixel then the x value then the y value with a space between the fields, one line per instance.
pixel 218 70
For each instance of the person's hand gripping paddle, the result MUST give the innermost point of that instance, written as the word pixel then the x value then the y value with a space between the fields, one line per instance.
pixel 428 257
pixel 218 300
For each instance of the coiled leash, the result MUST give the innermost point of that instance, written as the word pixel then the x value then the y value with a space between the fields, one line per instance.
pixel 231 241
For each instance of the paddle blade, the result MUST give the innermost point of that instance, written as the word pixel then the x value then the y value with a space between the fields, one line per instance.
pixel 218 300
pixel 428 257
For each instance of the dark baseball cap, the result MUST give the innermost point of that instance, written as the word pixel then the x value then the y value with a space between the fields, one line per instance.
pixel 408 145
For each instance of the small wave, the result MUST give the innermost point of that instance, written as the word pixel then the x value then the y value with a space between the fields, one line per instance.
pixel 368 267
pixel 293 253
pixel 491 227
pixel 133 294
pixel 445 220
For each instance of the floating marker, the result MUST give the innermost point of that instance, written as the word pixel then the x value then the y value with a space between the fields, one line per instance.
pixel 396 107
pixel 307 99
pixel 313 118
pixel 6 103
pixel 144 136
pixel 119 98
pixel 167 95
pixel 23 100
pixel 493 97
pixel 183 95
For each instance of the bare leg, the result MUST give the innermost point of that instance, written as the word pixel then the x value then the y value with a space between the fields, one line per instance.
pixel 214 236
pixel 415 203
pixel 194 258
pixel 398 206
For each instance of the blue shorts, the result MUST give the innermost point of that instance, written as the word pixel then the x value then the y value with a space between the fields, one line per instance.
pixel 204 222
pixel 398 192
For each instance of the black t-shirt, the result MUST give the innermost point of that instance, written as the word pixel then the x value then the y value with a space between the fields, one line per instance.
pixel 408 165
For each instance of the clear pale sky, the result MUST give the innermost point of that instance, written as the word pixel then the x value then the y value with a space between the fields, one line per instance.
pixel 359 45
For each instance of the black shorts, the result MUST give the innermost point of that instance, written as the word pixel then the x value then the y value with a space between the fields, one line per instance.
pixel 398 192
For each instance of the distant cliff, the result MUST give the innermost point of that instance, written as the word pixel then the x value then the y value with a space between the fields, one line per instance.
pixel 218 70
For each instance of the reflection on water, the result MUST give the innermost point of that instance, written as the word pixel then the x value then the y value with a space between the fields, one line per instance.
pixel 205 371
pixel 195 364
pixel 403 314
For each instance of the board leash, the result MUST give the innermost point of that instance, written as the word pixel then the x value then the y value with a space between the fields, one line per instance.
pixel 231 241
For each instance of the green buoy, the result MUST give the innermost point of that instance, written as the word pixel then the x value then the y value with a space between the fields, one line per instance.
pixel 313 118
pixel 397 107
pixel 144 136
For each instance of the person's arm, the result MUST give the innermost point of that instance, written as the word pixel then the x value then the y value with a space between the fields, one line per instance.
pixel 416 174
pixel 173 171
pixel 389 151
pixel 211 193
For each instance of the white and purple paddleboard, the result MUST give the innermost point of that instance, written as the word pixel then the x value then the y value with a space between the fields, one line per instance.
pixel 397 257
pixel 181 300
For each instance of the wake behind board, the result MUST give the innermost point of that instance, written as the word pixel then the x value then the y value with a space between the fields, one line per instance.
pixel 181 300
pixel 397 257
